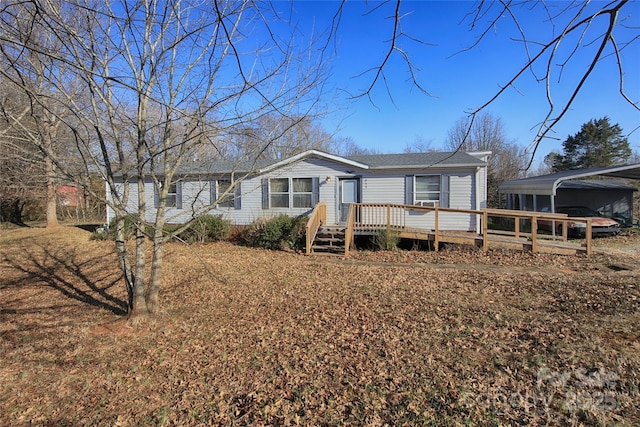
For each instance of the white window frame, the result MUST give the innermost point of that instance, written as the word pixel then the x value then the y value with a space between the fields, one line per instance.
pixel 435 202
pixel 291 193
pixel 229 201
pixel 280 193
pixel 172 195
pixel 295 193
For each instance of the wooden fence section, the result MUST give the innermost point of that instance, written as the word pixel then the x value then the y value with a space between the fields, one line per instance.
pixel 514 229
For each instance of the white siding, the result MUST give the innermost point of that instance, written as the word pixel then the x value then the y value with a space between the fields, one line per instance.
pixel 376 187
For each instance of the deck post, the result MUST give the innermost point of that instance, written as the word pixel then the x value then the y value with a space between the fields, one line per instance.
pixel 436 240
pixel 485 230
pixel 534 233
pixel 517 227
pixel 589 236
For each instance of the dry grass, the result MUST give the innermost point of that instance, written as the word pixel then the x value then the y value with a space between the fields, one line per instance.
pixel 254 337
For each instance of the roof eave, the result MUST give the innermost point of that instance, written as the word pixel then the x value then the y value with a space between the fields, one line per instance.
pixel 433 166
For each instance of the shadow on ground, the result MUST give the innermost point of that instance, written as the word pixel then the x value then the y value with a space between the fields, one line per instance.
pixel 79 277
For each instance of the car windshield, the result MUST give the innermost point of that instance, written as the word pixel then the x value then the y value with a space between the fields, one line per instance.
pixel 578 211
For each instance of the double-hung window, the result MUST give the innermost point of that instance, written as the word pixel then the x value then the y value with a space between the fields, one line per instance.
pixel 297 193
pixel 227 200
pixel 279 192
pixel 427 190
pixel 302 192
pixel 172 195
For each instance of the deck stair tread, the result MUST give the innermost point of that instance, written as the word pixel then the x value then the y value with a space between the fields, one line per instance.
pixel 330 239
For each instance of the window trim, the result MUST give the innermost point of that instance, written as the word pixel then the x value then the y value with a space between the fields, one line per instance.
pixel 267 192
pixel 177 195
pixel 280 193
pixel 294 193
pixel 172 195
pixel 420 202
pixel 229 202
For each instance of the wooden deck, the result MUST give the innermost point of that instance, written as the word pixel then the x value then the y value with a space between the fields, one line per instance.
pixel 371 219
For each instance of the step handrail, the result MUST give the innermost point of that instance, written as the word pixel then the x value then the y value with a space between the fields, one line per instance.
pixel 316 219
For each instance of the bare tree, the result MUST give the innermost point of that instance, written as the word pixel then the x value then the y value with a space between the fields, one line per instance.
pixel 577 28
pixel 487 133
pixel 571 41
pixel 145 85
pixel 272 136
pixel 348 147
pixel 29 124
pixel 419 145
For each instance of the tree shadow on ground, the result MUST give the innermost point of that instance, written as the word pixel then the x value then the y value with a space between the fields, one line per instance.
pixel 91 228
pixel 80 277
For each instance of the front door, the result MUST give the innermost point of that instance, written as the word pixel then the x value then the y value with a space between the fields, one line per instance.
pixel 349 193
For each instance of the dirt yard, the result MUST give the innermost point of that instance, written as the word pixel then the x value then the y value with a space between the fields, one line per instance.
pixel 254 337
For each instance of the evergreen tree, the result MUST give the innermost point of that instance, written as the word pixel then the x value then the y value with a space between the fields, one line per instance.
pixel 597 144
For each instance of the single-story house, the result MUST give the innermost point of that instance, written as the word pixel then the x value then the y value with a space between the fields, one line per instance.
pixel 294 186
pixel 547 192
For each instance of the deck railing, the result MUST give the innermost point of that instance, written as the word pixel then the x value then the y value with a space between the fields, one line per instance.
pixel 369 218
pixel 534 218
pixel 316 219
pixel 374 215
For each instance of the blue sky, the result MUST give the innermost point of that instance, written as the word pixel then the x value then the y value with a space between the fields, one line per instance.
pixel 464 81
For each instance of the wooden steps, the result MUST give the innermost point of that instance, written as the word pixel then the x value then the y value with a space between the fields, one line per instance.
pixel 329 240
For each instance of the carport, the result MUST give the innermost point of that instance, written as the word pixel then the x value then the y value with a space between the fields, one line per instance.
pixel 545 192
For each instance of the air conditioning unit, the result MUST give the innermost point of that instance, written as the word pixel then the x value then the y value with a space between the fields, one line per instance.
pixel 428 204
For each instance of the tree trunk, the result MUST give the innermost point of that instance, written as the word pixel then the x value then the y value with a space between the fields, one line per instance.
pixel 125 266
pixel 139 302
pixel 52 200
pixel 155 281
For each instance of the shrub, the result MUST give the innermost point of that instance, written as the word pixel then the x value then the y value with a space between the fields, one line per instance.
pixel 207 228
pixel 109 232
pixel 279 232
pixel 386 240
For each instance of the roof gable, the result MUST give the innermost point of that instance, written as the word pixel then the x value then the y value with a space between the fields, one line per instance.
pixel 314 153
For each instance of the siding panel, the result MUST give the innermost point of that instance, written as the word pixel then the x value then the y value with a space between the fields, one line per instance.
pixel 376 187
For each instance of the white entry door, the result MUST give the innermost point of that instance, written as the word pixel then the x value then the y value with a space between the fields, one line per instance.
pixel 349 189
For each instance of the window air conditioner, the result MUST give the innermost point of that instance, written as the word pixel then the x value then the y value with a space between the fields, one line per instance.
pixel 428 204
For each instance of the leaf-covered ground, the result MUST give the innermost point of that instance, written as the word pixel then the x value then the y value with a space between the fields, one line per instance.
pixel 254 337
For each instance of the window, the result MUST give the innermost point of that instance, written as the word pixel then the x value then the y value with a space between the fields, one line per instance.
pixel 227 200
pixel 172 195
pixel 302 192
pixel 279 191
pixel 296 193
pixel 427 190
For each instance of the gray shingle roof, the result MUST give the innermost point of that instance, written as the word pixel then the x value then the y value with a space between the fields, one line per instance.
pixel 373 161
pixel 413 160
